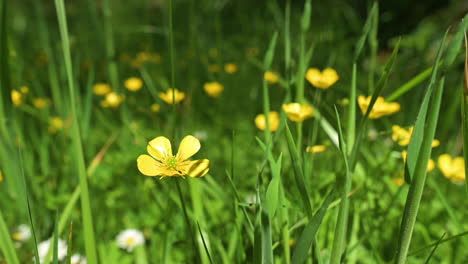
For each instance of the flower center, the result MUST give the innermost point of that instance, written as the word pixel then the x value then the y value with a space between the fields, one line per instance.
pixel 130 241
pixel 171 162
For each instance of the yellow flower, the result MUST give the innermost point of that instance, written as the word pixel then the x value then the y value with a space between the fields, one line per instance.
pixel 213 68
pixel 40 103
pixel 112 100
pixel 380 109
pixel 399 181
pixel 1 176
pixel 322 80
pixel 273 120
pixel 452 168
pixel 298 112
pixel 155 108
pixel 172 96
pixel 133 84
pixel 271 77
pixel 430 164
pixel 316 149
pixel 230 68
pixel 55 124
pixel 162 163
pixel 403 136
pixel 24 89
pixel 17 97
pixel 213 89
pixel 101 89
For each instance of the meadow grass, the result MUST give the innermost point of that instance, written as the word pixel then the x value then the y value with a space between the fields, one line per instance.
pixel 304 128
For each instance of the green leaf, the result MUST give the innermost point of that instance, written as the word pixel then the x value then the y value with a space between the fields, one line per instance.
pixel 365 32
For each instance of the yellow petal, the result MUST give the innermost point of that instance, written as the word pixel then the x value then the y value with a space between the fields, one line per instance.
pixel 160 148
pixel 198 168
pixel 188 147
pixel 149 166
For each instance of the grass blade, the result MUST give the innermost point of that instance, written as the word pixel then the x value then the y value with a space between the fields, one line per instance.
pixel 465 114
pixel 434 249
pixel 308 235
pixel 90 243
pixel 298 173
pixel 416 188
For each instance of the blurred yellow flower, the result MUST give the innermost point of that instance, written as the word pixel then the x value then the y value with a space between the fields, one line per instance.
pixel 155 108
pixel 55 124
pixel 213 89
pixel 133 84
pixel 213 68
pixel 403 136
pixel 430 164
pixel 24 89
pixel 1 176
pixel 316 149
pixel 271 77
pixel 112 100
pixel 399 181
pixel 101 89
pixel 452 168
pixel 322 80
pixel 162 163
pixel 17 97
pixel 40 103
pixel 172 96
pixel 380 109
pixel 298 112
pixel 230 68
pixel 273 121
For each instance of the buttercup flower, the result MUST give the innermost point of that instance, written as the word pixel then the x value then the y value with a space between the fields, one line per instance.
pixel 133 84
pixel 101 89
pixel 380 109
pixel 399 181
pixel 129 239
pixel 22 233
pixel 322 80
pixel 40 103
pixel 17 97
pixel 43 249
pixel 162 163
pixel 430 164
pixel 170 93
pixel 213 89
pixel 230 68
pixel 298 112
pixel 316 149
pixel 271 77
pixel 155 108
pixel 24 89
pixel 403 136
pixel 112 100
pixel 1 176
pixel 55 124
pixel 78 259
pixel 273 121
pixel 452 168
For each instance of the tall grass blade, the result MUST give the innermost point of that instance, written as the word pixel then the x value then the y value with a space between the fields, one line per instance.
pixel 204 243
pixel 365 32
pixel 434 249
pixel 417 186
pixel 298 173
pixel 418 132
pixel 465 114
pixel 307 237
pixel 6 245
pixel 78 154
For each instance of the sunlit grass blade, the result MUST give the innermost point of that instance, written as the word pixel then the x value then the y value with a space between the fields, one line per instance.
pixel 298 173
pixel 418 132
pixel 6 245
pixel 406 87
pixel 455 45
pixel 351 125
pixel 78 154
pixel 307 237
pixel 419 178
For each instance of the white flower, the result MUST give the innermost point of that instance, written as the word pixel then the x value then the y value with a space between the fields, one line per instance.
pixel 78 259
pixel 22 233
pixel 43 249
pixel 130 238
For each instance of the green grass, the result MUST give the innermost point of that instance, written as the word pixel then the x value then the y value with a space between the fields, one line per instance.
pixel 265 199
